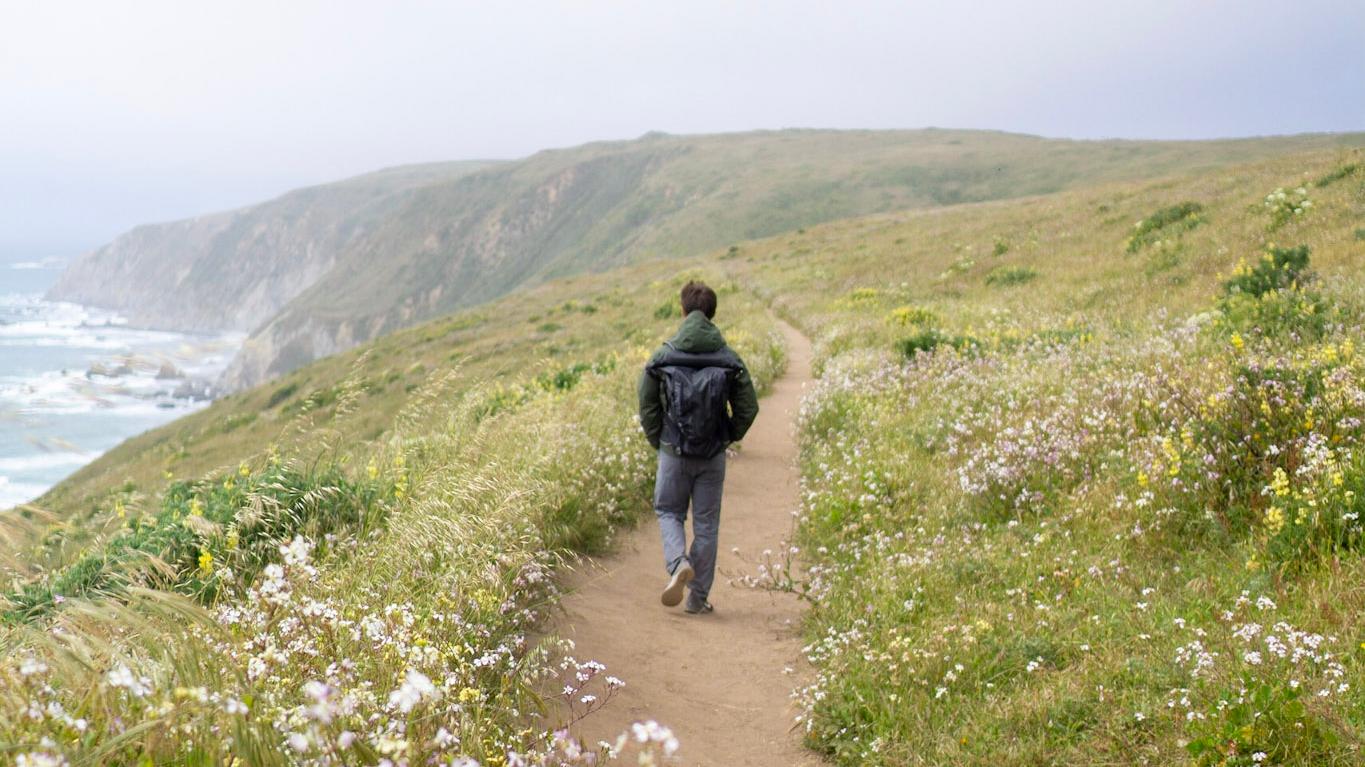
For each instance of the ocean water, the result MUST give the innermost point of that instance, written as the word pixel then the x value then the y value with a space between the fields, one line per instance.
pixel 76 381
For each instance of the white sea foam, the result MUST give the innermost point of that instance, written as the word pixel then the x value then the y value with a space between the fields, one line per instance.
pixel 59 409
pixel 14 493
pixel 25 463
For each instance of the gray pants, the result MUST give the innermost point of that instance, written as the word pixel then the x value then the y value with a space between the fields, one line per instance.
pixel 699 480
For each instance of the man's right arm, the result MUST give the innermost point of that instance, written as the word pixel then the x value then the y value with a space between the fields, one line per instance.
pixel 651 409
pixel 743 403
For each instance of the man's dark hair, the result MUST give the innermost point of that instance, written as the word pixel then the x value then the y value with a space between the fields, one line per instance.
pixel 696 296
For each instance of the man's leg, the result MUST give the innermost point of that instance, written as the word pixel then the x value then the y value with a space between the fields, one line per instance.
pixel 672 489
pixel 706 493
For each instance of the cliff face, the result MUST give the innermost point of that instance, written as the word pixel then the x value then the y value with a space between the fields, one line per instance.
pixel 324 269
pixel 234 270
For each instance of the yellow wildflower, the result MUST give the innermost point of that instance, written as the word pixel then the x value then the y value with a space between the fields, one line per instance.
pixel 1274 520
pixel 205 562
pixel 1279 484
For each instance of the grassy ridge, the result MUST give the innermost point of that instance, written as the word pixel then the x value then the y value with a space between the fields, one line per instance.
pixel 602 205
pixel 322 270
pixel 1104 513
pixel 371 582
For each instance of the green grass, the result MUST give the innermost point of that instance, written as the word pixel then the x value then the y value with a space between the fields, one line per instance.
pixel 1013 545
pixel 347 539
pixel 1040 516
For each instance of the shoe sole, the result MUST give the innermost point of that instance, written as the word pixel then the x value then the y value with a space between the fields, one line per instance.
pixel 673 594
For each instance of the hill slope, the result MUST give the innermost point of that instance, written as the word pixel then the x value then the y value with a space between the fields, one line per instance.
pixel 231 270
pixel 468 238
pixel 1069 495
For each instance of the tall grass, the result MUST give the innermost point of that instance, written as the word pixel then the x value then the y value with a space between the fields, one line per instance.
pixel 1121 524
pixel 381 605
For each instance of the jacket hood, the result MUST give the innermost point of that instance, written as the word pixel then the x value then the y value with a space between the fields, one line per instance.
pixel 698 335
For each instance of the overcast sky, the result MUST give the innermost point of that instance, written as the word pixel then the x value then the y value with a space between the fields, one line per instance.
pixel 119 113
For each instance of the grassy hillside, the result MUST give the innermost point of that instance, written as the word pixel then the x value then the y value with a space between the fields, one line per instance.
pixel 1082 481
pixel 312 285
pixel 1084 473
pixel 348 564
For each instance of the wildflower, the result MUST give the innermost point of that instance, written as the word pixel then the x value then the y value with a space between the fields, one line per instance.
pixel 415 687
pixel 39 759
pixel 298 742
pixel 205 562
pixel 1274 520
pixel 122 677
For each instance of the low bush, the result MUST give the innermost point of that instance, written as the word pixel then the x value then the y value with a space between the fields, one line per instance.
pixel 1272 296
pixel 1284 206
pixel 1006 276
pixel 212 535
pixel 1168 222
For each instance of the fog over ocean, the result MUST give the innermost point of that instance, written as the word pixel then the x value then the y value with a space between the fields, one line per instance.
pixel 76 381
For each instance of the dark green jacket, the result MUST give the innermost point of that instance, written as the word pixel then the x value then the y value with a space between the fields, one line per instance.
pixel 699 336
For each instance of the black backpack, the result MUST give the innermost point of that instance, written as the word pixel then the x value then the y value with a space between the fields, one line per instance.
pixel 696 391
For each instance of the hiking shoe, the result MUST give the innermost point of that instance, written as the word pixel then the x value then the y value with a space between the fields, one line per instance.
pixel 697 605
pixel 673 593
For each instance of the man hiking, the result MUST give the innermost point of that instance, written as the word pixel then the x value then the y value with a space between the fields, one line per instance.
pixel 696 398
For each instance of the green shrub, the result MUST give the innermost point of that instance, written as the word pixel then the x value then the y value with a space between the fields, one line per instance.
pixel 235 422
pixel 1168 222
pixel 912 315
pixel 281 394
pixel 672 307
pixel 1277 269
pixel 1006 276
pixel 1000 247
pixel 1337 175
pixel 930 339
pixel 1272 455
pixel 1270 296
pixel 1285 206
pixel 236 521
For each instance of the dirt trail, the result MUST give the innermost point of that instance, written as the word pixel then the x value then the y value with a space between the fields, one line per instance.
pixel 717 680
